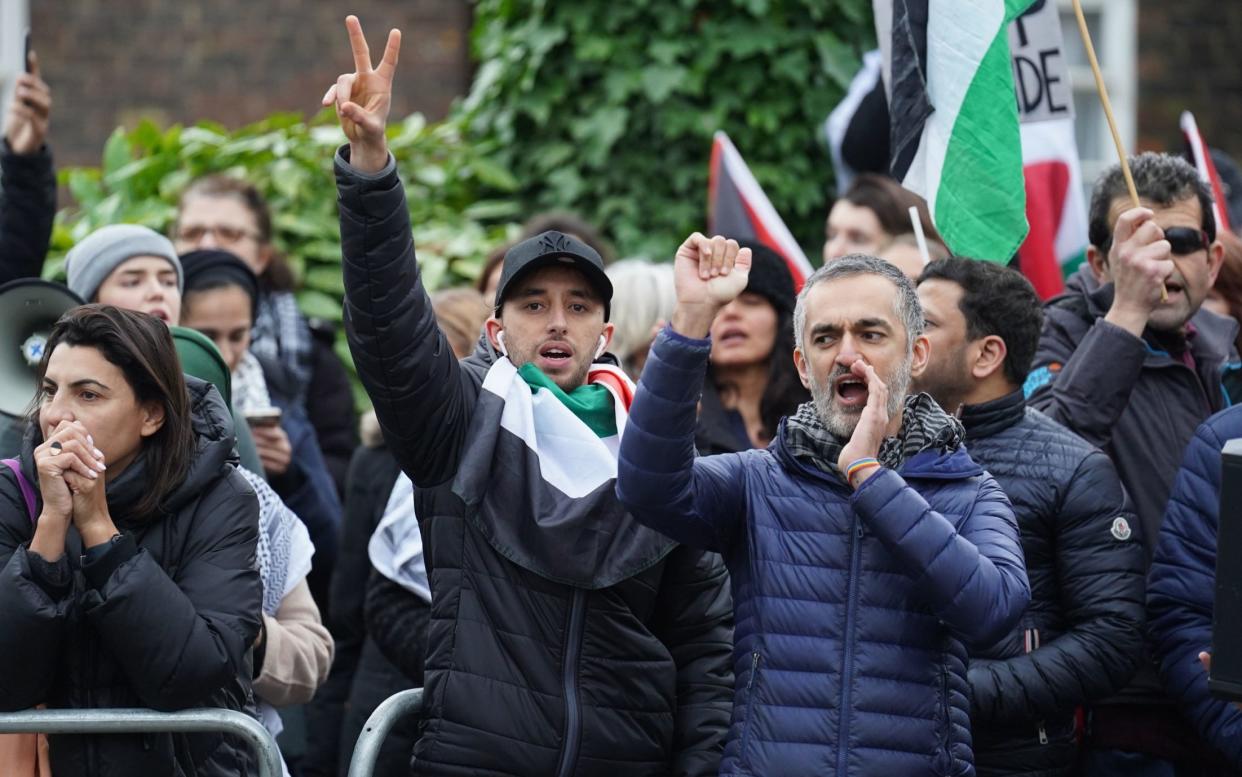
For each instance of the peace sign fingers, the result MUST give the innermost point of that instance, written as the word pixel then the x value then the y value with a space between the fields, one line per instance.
pixel 358 42
pixel 388 65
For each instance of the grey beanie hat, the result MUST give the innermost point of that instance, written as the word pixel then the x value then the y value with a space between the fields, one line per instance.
pixel 89 263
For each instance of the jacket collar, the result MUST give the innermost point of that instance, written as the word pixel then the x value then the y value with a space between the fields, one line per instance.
pixel 988 418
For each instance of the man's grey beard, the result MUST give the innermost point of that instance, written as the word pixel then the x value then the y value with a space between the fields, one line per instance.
pixel 842 422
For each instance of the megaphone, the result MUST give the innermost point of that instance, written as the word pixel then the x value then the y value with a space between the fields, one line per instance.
pixel 29 307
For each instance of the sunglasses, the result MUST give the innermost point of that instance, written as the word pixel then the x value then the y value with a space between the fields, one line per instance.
pixel 1186 240
pixel 1183 241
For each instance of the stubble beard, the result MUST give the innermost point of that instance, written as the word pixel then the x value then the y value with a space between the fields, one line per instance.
pixel 840 421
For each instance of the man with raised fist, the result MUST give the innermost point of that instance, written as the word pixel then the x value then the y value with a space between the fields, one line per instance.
pixel 565 638
pixel 865 548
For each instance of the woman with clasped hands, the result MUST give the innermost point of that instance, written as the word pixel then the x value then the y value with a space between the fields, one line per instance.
pixel 128 579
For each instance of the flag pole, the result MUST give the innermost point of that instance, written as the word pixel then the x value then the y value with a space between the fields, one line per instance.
pixel 1108 114
pixel 919 236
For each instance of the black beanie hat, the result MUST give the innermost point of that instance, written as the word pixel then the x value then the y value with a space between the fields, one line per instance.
pixel 212 268
pixel 770 277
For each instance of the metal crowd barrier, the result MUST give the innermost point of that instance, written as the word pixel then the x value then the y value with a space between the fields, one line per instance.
pixel 386 715
pixel 133 721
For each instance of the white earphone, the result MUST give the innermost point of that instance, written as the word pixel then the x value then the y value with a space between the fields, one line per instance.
pixel 603 344
pixel 500 343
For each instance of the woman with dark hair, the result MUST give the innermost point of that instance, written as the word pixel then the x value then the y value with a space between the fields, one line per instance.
pixel 752 381
pixel 222 212
pixel 127 549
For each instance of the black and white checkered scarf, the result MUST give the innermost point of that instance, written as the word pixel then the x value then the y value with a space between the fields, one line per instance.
pixel 924 426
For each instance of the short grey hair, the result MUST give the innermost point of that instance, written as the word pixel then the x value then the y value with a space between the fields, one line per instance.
pixel 906 307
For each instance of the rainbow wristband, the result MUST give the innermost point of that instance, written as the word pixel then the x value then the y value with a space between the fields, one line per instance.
pixel 859 465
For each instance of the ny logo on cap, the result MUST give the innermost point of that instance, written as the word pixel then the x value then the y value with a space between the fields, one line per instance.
pixel 553 242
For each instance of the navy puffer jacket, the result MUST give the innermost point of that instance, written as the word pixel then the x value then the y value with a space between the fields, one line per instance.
pixel 852 609
pixel 1081 639
pixel 1181 586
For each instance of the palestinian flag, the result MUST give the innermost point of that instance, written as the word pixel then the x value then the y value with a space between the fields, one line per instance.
pixel 738 208
pixel 1198 149
pixel 538 476
pixel 954 135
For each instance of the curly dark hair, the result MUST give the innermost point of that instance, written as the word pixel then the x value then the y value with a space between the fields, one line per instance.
pixel 996 300
pixel 1162 178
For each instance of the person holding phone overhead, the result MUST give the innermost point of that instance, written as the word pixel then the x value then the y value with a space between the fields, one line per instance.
pixel 27 178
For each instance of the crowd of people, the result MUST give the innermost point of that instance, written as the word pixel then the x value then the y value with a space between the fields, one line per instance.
pixel 642 517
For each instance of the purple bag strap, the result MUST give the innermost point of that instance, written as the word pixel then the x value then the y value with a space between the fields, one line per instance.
pixel 28 492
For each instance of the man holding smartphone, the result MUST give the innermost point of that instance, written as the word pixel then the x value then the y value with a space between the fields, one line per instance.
pixel 27 180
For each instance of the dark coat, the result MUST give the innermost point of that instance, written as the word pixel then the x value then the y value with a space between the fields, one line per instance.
pixel 361 677
pixel 1081 638
pixel 1182 584
pixel 165 619
pixel 1130 398
pixel 27 208
pixel 524 675
pixel 853 608
pixel 1127 395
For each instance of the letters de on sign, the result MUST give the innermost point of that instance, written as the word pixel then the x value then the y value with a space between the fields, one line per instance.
pixel 1040 73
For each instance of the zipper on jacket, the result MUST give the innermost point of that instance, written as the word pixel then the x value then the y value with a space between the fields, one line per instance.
pixel 569 682
pixel 847 668
pixel 750 702
pixel 1032 644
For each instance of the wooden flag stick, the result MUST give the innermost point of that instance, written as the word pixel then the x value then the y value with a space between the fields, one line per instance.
pixel 1108 114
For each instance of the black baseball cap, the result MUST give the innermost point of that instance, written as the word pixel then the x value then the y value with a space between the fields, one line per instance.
pixel 552 248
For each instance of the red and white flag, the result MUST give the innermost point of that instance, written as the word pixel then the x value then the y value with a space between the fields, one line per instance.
pixel 738 208
pixel 1207 170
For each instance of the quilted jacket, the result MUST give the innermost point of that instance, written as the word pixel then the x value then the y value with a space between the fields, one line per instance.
pixel 1181 587
pixel 1081 638
pixel 853 610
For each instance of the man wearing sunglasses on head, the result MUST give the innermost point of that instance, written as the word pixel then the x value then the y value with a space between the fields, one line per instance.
pixel 1129 361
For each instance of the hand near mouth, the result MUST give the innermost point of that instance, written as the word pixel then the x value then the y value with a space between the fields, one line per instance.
pixel 872 425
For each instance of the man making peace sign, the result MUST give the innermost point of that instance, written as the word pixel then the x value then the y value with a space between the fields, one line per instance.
pixel 565 638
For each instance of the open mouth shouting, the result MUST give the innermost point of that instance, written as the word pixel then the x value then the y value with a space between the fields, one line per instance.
pixel 555 355
pixel 850 391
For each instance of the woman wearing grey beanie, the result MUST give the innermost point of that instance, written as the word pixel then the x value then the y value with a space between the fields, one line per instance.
pixel 129 266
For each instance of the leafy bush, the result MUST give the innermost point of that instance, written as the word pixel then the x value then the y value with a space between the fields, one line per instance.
pixel 608 108
pixel 447 184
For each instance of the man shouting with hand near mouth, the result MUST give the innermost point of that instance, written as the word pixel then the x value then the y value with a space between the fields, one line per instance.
pixel 865 548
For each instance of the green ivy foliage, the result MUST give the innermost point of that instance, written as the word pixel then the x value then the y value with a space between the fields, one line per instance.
pixel 455 190
pixel 609 108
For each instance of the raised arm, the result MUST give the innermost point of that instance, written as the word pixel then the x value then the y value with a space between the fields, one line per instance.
pixel 27 180
pixel 695 501
pixel 421 396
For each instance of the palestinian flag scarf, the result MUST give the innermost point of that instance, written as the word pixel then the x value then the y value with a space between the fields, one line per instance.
pixel 539 472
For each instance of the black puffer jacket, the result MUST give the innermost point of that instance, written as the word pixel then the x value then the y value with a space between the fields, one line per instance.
pixel 164 619
pixel 524 675
pixel 27 207
pixel 1081 638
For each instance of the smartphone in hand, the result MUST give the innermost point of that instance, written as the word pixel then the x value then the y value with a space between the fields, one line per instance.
pixel 26 59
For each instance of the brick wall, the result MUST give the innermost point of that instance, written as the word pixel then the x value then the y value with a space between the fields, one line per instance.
pixel 1190 58
pixel 111 62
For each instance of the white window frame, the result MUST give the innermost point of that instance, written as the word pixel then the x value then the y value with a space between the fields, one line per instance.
pixel 14 19
pixel 1116 46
